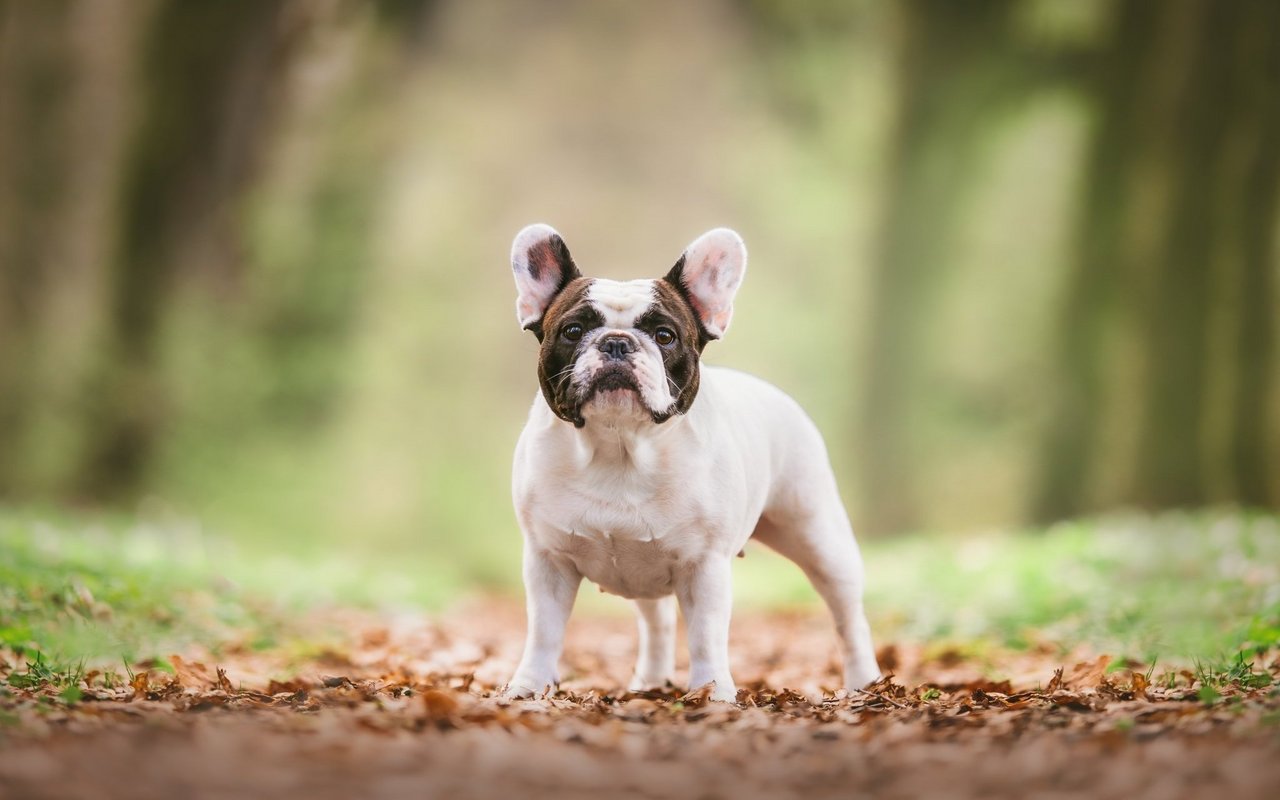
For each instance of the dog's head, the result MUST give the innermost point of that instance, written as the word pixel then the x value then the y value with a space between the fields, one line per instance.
pixel 613 348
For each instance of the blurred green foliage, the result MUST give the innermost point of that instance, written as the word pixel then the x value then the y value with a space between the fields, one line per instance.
pixel 293 321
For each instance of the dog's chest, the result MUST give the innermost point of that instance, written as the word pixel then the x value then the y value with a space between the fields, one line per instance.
pixel 630 541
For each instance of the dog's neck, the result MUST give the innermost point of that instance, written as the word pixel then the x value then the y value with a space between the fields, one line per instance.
pixel 626 441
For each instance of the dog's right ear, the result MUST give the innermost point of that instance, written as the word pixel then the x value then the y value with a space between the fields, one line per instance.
pixel 542 267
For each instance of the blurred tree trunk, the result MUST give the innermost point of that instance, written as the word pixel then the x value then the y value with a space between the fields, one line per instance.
pixel 1213 118
pixel 63 101
pixel 1103 273
pixel 1179 208
pixel 1253 412
pixel 206 101
pixel 132 137
pixel 953 58
pixel 35 63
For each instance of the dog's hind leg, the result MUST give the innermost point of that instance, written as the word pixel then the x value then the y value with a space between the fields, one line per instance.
pixel 821 543
pixel 656 658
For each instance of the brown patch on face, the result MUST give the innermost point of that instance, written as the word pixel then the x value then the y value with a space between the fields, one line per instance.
pixel 570 297
pixel 558 354
pixel 679 308
pixel 671 309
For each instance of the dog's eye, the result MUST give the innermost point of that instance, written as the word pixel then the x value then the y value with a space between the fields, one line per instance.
pixel 572 332
pixel 664 336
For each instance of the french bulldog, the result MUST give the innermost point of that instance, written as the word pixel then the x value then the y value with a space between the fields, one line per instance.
pixel 645 471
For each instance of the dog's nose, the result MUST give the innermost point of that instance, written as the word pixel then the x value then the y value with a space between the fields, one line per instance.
pixel 616 345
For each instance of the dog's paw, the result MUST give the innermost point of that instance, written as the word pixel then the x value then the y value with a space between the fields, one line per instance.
pixel 522 687
pixel 859 676
pixel 721 691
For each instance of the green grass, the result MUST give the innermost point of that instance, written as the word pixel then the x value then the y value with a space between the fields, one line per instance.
pixel 112 590
pixel 109 593
pixel 1173 587
pixel 1240 671
pixel 1188 589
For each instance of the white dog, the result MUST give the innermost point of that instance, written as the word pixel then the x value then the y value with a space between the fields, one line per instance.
pixel 646 472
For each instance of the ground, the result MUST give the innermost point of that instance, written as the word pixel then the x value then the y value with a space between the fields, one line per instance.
pixel 409 707
pixel 344 699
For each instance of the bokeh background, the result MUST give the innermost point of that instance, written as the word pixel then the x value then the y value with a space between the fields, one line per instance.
pixel 1018 258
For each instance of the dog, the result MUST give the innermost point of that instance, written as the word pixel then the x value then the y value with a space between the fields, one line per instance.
pixel 645 471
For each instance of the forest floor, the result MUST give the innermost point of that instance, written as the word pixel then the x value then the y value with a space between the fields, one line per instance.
pixel 375 703
pixel 408 707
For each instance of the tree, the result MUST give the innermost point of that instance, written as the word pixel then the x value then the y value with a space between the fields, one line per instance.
pixel 956 75
pixel 1173 282
pixel 207 91
pixel 35 66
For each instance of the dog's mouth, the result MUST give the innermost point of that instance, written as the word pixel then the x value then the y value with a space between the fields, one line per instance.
pixel 612 379
pixel 611 391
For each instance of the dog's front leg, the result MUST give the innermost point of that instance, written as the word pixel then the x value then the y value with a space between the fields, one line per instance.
pixel 550 585
pixel 706 599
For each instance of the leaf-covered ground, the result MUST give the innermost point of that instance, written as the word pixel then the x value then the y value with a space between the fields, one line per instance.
pixel 144 658
pixel 406 706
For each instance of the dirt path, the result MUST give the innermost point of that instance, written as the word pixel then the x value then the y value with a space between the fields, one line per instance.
pixel 407 709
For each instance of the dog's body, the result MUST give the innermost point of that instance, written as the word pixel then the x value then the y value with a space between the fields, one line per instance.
pixel 622 479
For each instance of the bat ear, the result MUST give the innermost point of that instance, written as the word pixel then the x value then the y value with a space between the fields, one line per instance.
pixel 542 267
pixel 708 275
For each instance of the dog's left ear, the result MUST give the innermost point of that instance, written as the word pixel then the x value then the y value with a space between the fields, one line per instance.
pixel 542 267
pixel 708 275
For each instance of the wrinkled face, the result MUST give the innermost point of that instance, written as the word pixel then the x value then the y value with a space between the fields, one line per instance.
pixel 617 347
pixel 623 349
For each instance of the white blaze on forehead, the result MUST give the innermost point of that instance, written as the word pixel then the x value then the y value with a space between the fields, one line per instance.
pixel 621 303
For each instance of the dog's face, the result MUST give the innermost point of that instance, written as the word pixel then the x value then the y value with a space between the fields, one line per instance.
pixel 614 348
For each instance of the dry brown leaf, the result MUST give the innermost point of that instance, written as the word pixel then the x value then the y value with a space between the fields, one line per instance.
pixel 699 696
pixel 223 682
pixel 1089 674
pixel 1138 683
pixel 437 704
